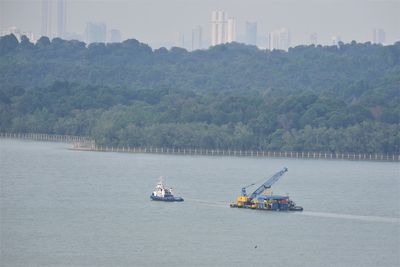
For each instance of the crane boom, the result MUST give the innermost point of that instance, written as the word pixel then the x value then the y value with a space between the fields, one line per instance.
pixel 268 183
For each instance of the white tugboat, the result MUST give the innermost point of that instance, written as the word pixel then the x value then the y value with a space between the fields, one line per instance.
pixel 163 193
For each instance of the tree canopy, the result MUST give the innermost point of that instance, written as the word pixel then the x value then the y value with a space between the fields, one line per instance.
pixel 312 98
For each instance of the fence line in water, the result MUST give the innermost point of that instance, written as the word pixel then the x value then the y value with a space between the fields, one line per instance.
pixel 50 138
pixel 88 144
pixel 240 153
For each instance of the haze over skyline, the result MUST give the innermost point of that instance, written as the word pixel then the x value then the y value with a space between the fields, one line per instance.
pixel 157 22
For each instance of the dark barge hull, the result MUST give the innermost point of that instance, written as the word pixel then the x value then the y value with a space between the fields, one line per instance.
pixel 167 199
pixel 296 208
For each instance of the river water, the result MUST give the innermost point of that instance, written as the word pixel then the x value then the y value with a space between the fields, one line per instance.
pixel 68 208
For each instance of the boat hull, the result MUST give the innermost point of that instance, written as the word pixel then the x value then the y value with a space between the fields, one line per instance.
pixel 295 208
pixel 167 199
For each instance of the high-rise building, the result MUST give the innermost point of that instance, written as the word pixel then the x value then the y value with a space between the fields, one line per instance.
pixel 279 40
pixel 61 18
pixel 95 32
pixel 223 29
pixel 115 36
pixel 180 40
pixel 197 38
pixel 218 27
pixel 251 33
pixel 378 36
pixel 75 36
pixel 231 29
pixel 313 39
pixel 15 31
pixel 336 39
pixel 273 40
pixel 18 33
pixel 46 18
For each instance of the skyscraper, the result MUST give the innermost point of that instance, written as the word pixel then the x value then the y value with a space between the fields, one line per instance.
pixel 336 39
pixel 279 40
pixel 251 33
pixel 378 36
pixel 197 38
pixel 18 33
pixel 46 18
pixel 180 40
pixel 231 30
pixel 313 39
pixel 115 36
pixel 218 27
pixel 95 32
pixel 273 40
pixel 284 39
pixel 61 18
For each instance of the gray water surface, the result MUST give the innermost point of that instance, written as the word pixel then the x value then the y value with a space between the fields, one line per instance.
pixel 67 208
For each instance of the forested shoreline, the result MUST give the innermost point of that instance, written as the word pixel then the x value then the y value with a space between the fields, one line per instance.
pixel 313 98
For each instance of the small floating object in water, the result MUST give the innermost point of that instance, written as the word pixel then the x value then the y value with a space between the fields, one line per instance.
pixel 163 193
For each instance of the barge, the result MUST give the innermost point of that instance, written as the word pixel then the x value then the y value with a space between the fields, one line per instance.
pixel 263 199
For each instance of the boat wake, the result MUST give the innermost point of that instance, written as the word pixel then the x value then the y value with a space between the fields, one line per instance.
pixel 221 204
pixel 366 218
pixel 351 217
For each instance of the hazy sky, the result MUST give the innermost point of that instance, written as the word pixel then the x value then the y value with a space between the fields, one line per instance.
pixel 158 22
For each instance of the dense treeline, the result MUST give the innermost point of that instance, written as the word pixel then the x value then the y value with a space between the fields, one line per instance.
pixel 333 99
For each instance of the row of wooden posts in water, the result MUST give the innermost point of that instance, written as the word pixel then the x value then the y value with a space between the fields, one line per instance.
pixel 89 144
pixel 48 137
pixel 240 153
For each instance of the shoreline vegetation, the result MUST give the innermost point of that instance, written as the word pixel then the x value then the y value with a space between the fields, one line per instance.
pixel 339 98
pixel 87 144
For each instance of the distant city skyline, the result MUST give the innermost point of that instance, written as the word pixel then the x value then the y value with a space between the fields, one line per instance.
pixel 310 21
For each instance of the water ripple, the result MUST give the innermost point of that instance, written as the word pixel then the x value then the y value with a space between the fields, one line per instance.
pixel 351 217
